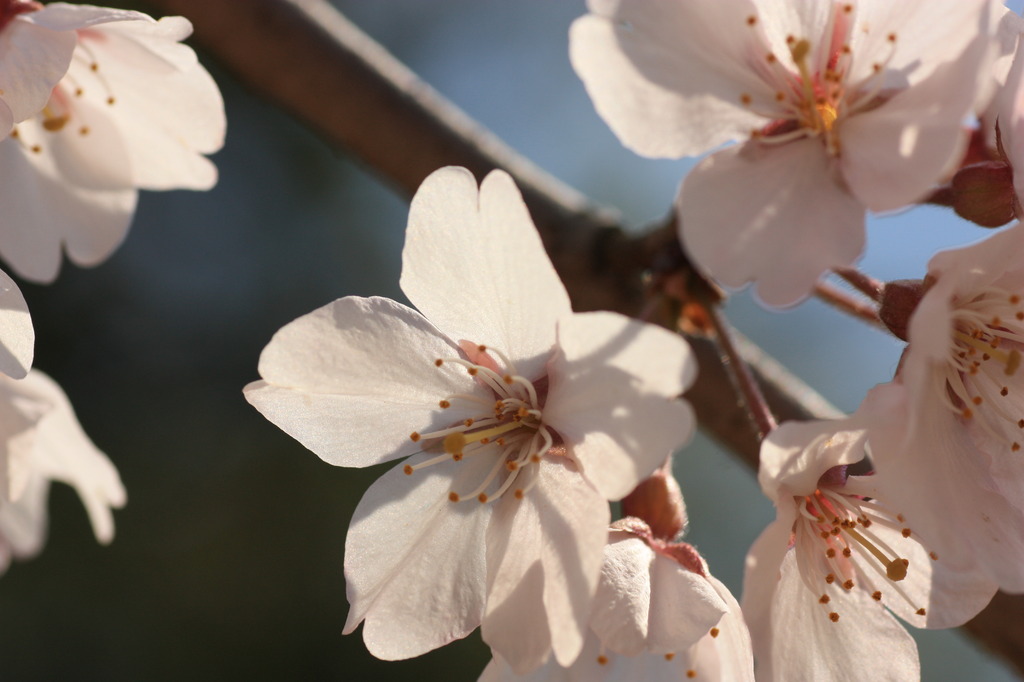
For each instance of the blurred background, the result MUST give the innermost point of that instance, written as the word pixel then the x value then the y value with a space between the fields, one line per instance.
pixel 228 557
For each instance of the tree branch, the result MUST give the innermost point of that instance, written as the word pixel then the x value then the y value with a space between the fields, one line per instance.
pixel 306 58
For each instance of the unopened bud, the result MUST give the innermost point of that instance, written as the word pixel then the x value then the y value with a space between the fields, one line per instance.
pixel 659 503
pixel 899 301
pixel 983 193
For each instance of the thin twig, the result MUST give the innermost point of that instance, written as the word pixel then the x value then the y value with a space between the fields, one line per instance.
pixel 839 299
pixel 869 286
pixel 741 374
pixel 308 60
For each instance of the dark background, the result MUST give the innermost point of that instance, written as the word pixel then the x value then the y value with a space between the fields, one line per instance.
pixel 228 557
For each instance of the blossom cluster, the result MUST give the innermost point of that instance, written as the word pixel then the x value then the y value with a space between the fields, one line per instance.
pixel 515 422
pixel 95 104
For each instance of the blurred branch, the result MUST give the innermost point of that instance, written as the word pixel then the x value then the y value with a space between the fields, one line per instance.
pixel 309 60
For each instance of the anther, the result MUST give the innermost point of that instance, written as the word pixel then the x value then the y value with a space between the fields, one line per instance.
pixel 1004 391
pixel 848 585
pixel 438 362
pixel 876 595
pixel 518 494
pixel 414 437
pixel 933 556
pixel 847 552
pixel 834 617
pixel 691 674
pixel 444 404
pixel 746 99
pixel 713 632
pixel 482 497
pixel 830 578
pixel 921 612
pixel 669 656
pixel 408 470
pixel 453 496
pixel 905 532
pixel 751 20
pixel 830 553
pixel 824 599
pixel 602 660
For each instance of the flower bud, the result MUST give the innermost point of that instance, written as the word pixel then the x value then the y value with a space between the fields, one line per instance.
pixel 899 300
pixel 983 193
pixel 659 503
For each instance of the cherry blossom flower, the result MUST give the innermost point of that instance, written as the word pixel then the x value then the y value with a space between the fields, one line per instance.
pixel 955 413
pixel 525 419
pixel 658 615
pixel 839 105
pixel 43 442
pixel 822 579
pixel 135 110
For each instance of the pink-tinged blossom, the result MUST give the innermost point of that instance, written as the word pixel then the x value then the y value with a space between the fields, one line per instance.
pixel 42 441
pixel 953 420
pixel 840 106
pixel 135 110
pixel 825 578
pixel 525 419
pixel 658 615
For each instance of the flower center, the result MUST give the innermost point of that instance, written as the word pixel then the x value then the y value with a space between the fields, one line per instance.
pixel 508 427
pixel 812 101
pixel 978 385
pixel 837 550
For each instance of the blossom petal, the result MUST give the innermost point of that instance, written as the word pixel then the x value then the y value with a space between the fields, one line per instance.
pixel 794 456
pixel 33 59
pixel 865 643
pixel 894 154
pixel 17 344
pixel 772 214
pixel 414 561
pixel 928 35
pixel 63 452
pixel 474 265
pixel 544 556
pixel 726 655
pixel 353 379
pixel 42 211
pixel 760 581
pixel 23 525
pixel 952 502
pixel 668 77
pixel 613 397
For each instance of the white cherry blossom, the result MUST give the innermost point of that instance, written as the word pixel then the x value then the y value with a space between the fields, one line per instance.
pixel 42 441
pixel 658 615
pixel 135 110
pixel 822 579
pixel 955 423
pixel 840 106
pixel 520 420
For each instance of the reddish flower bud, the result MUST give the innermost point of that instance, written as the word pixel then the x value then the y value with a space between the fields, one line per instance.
pixel 899 300
pixel 983 193
pixel 659 503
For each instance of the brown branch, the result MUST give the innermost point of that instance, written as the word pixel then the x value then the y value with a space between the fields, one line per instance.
pixel 306 58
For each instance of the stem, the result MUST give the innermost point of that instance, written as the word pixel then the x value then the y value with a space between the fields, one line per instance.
pixel 749 389
pixel 869 286
pixel 846 303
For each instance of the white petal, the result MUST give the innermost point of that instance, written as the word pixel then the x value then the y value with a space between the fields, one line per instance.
pixel 727 655
pixel 61 16
pixel 63 452
pixel 795 455
pixel 866 643
pixel 42 210
pixel 928 34
pixel 621 612
pixel 894 154
pixel 760 582
pixel 613 397
pixel 414 560
pixel 167 108
pixel 352 380
pixel 474 265
pixel 17 342
pixel 771 214
pixel 684 607
pixel 32 60
pixel 668 77
pixel 544 557
pixel 952 502
pixel 23 524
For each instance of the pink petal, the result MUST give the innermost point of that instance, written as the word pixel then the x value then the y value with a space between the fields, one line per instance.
pixel 474 265
pixel 772 214
pixel 544 556
pixel 414 560
pixel 668 77
pixel 17 343
pixel 352 380
pixel 614 399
